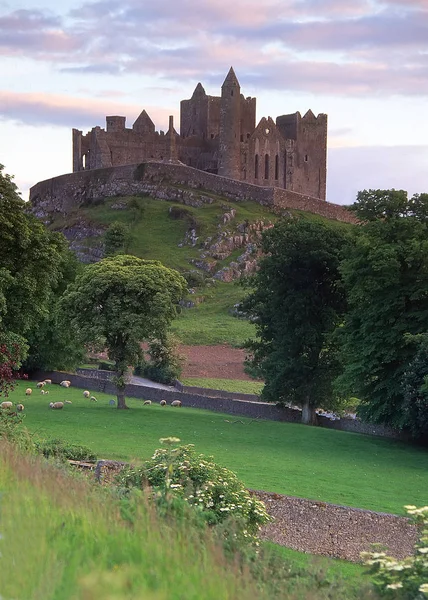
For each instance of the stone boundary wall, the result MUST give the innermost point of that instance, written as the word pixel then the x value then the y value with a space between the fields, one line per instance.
pixel 230 406
pixel 165 181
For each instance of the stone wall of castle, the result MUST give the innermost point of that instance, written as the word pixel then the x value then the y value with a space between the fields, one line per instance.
pixel 166 181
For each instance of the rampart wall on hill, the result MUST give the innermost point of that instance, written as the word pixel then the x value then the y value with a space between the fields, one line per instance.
pixel 166 181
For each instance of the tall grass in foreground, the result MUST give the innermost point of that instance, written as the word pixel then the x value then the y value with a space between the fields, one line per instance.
pixel 65 539
pixel 62 539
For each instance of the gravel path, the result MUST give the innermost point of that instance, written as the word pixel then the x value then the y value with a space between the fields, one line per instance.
pixel 332 530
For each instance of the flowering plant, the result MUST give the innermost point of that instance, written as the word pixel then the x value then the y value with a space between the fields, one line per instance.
pixel 206 486
pixel 408 578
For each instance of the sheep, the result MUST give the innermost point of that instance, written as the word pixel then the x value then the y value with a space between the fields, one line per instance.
pixel 148 402
pixel 20 407
pixel 6 404
pixel 93 399
pixel 56 405
pixel 44 392
pixel 162 402
pixel 40 384
pixel 28 392
pixel 86 394
pixel 65 383
pixel 176 403
pixel 68 402
pixel 48 381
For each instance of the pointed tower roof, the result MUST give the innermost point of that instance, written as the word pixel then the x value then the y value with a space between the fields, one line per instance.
pixel 143 123
pixel 231 79
pixel 199 91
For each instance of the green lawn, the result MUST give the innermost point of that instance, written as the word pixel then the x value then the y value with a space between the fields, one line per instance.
pixel 228 385
pixel 332 466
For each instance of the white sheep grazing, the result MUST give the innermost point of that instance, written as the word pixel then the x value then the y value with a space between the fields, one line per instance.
pixel 44 392
pixel 93 399
pixel 48 381
pixel 176 403
pixel 148 402
pixel 6 404
pixel 28 392
pixel 65 383
pixel 86 394
pixel 41 384
pixel 56 405
pixel 20 407
pixel 162 402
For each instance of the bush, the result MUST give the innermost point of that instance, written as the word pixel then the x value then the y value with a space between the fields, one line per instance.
pixel 13 430
pixel 214 491
pixel 406 579
pixel 106 366
pixel 165 362
pixel 63 450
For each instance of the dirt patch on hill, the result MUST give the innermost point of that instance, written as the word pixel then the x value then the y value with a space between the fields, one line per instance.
pixel 219 362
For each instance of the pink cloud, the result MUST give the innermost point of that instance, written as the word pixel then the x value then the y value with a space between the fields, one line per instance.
pixel 69 111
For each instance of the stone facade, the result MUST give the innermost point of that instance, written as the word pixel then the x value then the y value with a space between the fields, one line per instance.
pixel 218 135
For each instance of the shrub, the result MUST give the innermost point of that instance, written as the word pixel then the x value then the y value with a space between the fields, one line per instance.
pixel 13 430
pixel 165 362
pixel 106 366
pixel 214 491
pixel 63 450
pixel 406 579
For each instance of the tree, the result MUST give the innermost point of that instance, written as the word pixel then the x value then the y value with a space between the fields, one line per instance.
pixel 297 302
pixel 116 238
pixel 386 278
pixel 12 352
pixel 123 301
pixel 415 387
pixel 31 262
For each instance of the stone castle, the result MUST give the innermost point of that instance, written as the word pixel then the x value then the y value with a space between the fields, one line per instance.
pixel 218 134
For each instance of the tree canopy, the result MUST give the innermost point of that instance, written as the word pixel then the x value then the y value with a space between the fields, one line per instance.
pixel 296 303
pixel 386 279
pixel 122 301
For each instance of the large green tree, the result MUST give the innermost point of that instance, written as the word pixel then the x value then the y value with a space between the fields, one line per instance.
pixel 32 265
pixel 120 302
pixel 31 262
pixel 386 279
pixel 296 303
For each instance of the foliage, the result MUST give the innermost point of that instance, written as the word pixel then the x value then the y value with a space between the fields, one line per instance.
pixel 296 303
pixel 13 350
pixel 404 579
pixel 386 278
pixel 116 238
pixel 31 262
pixel 165 363
pixel 374 205
pixel 123 300
pixel 13 431
pixel 415 387
pixel 63 450
pixel 214 490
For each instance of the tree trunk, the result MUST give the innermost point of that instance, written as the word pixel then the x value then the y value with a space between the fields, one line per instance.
pixel 309 416
pixel 120 387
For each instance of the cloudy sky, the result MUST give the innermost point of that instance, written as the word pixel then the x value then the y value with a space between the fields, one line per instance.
pixel 66 63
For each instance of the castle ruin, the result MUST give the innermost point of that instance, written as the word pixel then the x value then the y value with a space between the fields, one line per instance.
pixel 218 134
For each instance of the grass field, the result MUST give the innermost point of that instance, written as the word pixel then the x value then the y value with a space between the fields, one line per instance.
pixel 228 385
pixel 332 466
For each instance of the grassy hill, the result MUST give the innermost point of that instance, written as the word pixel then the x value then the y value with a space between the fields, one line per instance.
pixel 161 230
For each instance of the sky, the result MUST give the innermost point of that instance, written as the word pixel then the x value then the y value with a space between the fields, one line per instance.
pixel 67 63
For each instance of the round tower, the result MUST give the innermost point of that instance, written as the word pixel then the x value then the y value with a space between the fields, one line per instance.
pixel 229 152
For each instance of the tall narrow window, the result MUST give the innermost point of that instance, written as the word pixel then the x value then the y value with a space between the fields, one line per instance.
pixel 276 167
pixel 256 166
pixel 266 166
